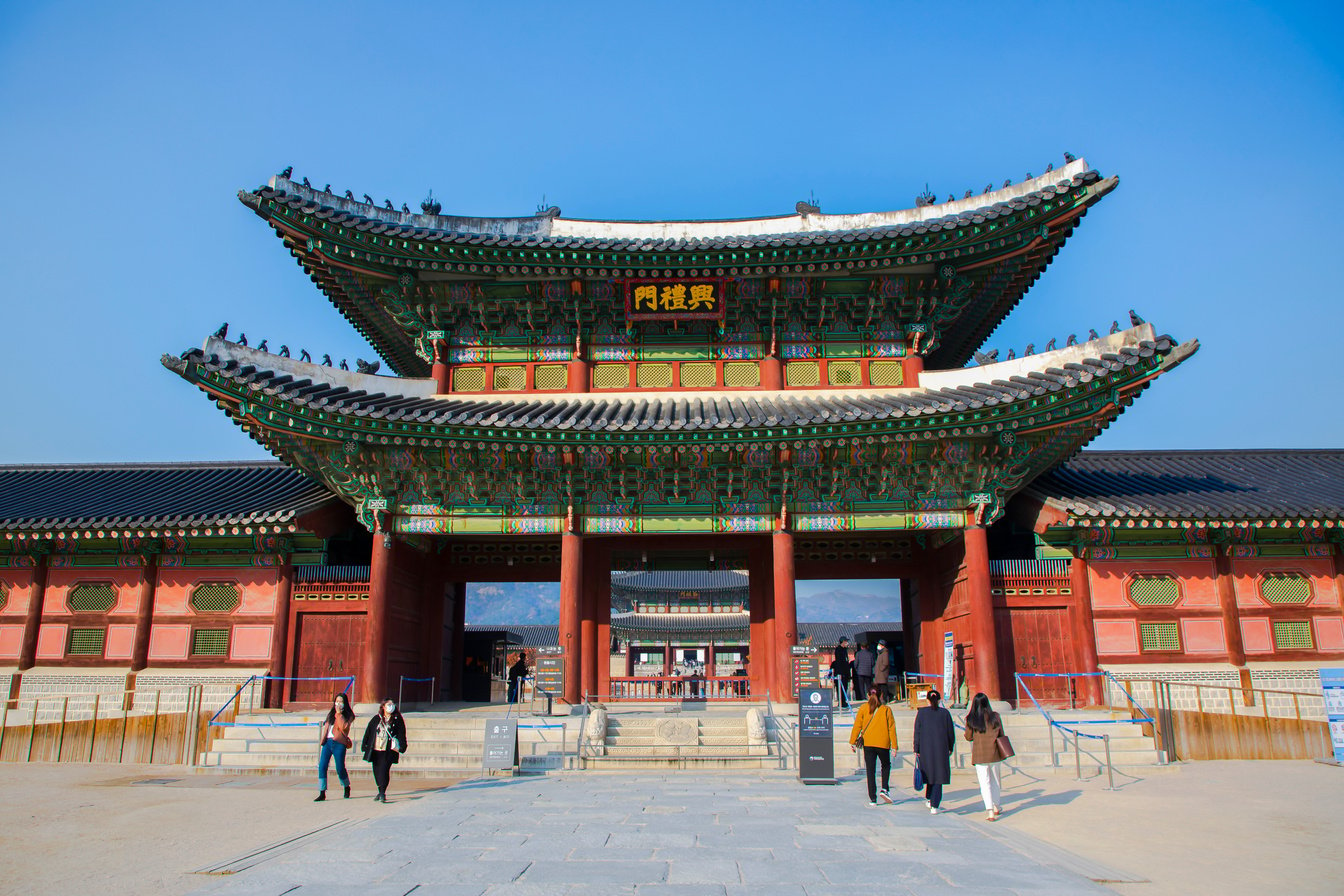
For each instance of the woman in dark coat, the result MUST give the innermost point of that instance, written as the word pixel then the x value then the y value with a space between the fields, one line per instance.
pixel 384 742
pixel 935 738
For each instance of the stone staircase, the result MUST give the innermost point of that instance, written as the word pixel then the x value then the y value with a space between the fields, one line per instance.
pixel 442 744
pixel 704 740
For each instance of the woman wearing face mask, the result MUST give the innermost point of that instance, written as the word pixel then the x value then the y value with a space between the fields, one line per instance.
pixel 334 739
pixel 384 741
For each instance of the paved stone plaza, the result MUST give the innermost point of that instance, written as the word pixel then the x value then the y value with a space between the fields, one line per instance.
pixel 660 834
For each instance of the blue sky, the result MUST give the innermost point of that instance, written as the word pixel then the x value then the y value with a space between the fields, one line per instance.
pixel 128 128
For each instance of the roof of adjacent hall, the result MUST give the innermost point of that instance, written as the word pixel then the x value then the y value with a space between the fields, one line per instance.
pixel 154 495
pixel 1232 485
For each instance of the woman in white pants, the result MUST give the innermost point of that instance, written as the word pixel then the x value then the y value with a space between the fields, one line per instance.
pixel 983 730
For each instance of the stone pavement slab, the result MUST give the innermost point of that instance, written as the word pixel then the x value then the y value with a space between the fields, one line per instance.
pixel 640 834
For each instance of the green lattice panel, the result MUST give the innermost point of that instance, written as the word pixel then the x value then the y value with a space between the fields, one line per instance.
pixel 215 597
pixel 4 595
pixel 844 373
pixel 1159 636
pixel 886 373
pixel 1154 591
pixel 92 597
pixel 741 374
pixel 210 642
pixel 86 642
pixel 1292 636
pixel 611 376
pixel 698 375
pixel 653 376
pixel 802 373
pixel 1285 589
pixel 550 377
pixel 510 379
pixel 469 379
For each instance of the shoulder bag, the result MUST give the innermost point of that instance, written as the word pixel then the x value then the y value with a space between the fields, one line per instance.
pixel 1004 747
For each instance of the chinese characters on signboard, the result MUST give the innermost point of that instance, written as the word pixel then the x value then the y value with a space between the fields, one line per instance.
pixel 680 300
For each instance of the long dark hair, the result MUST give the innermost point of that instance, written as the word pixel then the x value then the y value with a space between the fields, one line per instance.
pixel 982 715
pixel 346 712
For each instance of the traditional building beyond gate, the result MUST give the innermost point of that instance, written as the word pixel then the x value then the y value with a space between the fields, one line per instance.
pixel 564 398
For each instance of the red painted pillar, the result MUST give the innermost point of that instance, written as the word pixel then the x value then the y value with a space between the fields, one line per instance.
pixel 982 613
pixel 912 365
pixel 372 686
pixel 786 613
pixel 144 613
pixel 284 589
pixel 772 374
pixel 710 670
pixel 759 597
pixel 602 609
pixel 571 596
pixel 667 658
pixel 588 624
pixel 433 601
pixel 439 371
pixel 1227 601
pixel 32 620
pixel 458 639
pixel 1084 631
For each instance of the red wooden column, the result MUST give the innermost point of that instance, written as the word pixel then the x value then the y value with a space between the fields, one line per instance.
pixel 1227 601
pixel 372 686
pixel 1084 631
pixel 772 373
pixel 667 658
pixel 602 612
pixel 710 670
pixel 433 616
pixel 32 620
pixel 144 613
pixel 571 595
pixel 284 590
pixel 786 613
pixel 1338 552
pixel 459 639
pixel 759 597
pixel 981 602
pixel 439 371
pixel 912 365
pixel 588 623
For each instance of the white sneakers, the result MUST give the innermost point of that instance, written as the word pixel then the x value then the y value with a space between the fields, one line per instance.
pixel 933 810
pixel 884 796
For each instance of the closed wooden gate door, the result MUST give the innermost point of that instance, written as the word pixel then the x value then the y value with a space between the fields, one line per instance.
pixel 1034 640
pixel 329 645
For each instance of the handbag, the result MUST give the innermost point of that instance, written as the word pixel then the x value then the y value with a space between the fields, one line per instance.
pixel 919 778
pixel 859 742
pixel 1004 747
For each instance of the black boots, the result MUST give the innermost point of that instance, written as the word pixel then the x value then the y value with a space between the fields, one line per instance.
pixel 347 791
pixel 321 795
pixel 380 798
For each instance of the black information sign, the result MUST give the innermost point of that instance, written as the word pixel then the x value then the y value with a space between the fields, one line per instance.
pixel 806 668
pixel 501 743
pixel 550 674
pixel 816 736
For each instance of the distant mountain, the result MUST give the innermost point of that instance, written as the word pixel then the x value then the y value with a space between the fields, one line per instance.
pixel 538 603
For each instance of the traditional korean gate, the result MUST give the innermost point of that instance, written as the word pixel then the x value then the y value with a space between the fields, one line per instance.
pixel 327 645
pixel 1034 640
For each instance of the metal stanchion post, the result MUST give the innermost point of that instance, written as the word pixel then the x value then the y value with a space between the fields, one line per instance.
pixel 1077 759
pixel 60 738
pixel 1110 779
pixel 1054 760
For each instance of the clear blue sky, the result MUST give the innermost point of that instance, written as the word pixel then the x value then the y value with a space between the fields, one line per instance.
pixel 128 128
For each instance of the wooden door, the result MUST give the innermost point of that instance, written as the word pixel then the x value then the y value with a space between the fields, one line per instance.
pixel 1034 640
pixel 328 645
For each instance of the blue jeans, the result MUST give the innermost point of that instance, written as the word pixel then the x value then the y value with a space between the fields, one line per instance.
pixel 331 750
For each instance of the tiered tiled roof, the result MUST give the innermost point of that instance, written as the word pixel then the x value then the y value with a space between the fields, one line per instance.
pixel 1290 487
pixel 265 495
pixel 673 580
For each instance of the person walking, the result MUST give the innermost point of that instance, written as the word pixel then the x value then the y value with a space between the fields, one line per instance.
pixel 984 727
pixel 875 731
pixel 863 671
pixel 384 742
pixel 517 672
pixel 840 668
pixel 935 737
pixel 333 740
pixel 882 671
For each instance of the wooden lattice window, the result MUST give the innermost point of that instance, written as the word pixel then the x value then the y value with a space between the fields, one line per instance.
pixel 215 597
pixel 1154 591
pixel 1295 635
pixel 1163 637
pixel 802 373
pixel 698 375
pixel 210 642
pixel 741 375
pixel 549 377
pixel 510 379
pixel 1285 588
pixel 4 595
pixel 92 597
pixel 886 373
pixel 653 376
pixel 468 379
pixel 844 373
pixel 85 642
pixel 611 376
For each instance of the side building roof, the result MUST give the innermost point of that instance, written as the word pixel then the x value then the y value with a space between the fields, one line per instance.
pixel 156 497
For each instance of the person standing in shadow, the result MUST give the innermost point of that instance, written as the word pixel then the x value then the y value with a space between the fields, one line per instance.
pixel 384 742
pixel 935 738
pixel 517 672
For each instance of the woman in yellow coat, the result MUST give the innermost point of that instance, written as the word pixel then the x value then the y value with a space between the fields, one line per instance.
pixel 875 729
